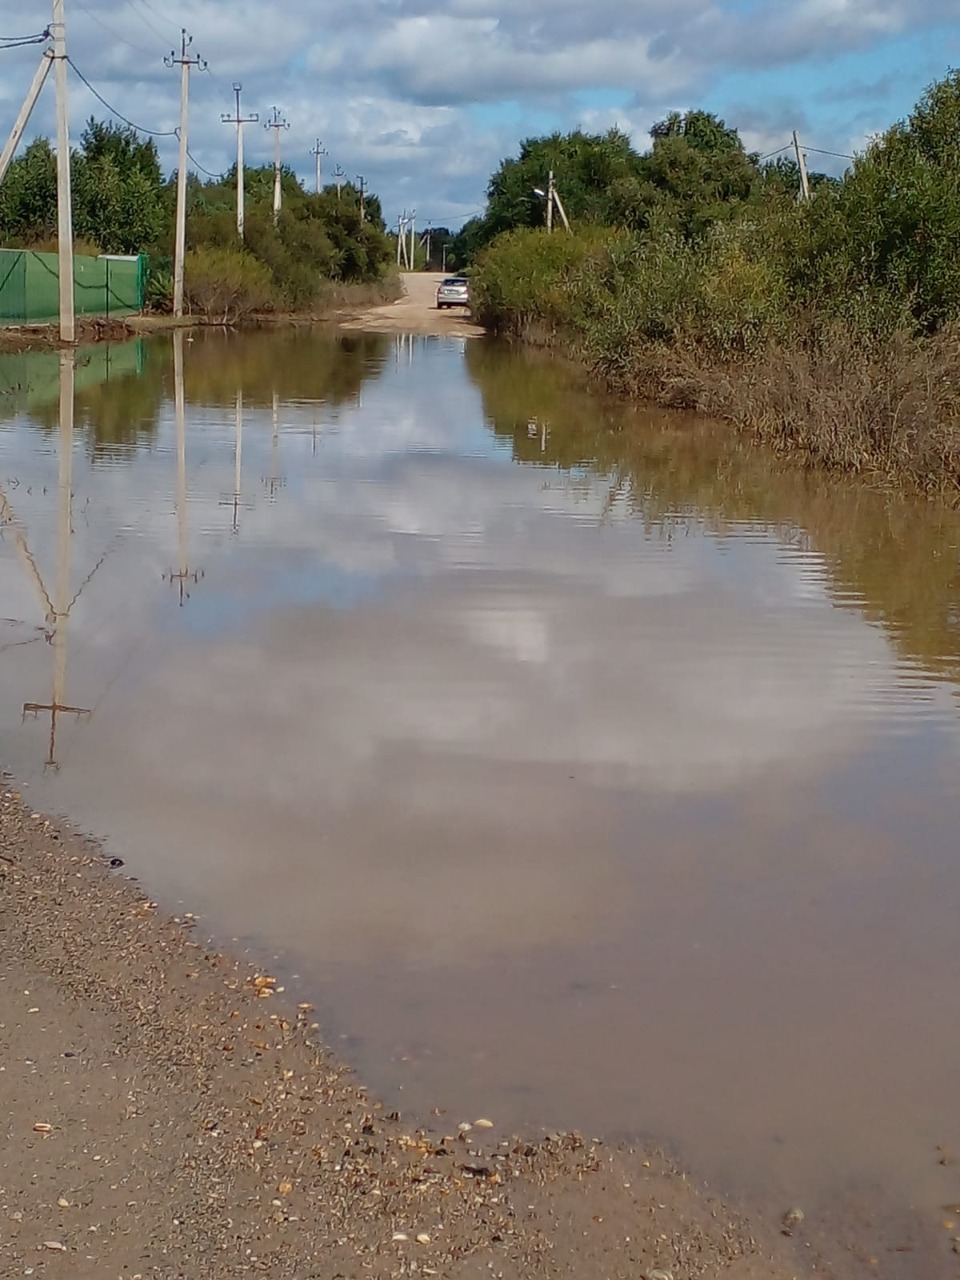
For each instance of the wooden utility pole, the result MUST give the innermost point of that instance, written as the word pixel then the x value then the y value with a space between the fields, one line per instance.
pixel 362 187
pixel 184 62
pixel 338 176
pixel 318 152
pixel 64 196
pixel 276 124
pixel 802 165
pixel 239 120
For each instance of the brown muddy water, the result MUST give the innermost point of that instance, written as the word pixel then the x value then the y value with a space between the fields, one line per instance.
pixel 587 767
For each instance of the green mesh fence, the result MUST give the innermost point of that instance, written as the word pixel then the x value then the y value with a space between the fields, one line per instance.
pixel 104 286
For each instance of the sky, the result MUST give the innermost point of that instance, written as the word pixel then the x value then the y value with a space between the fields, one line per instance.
pixel 424 98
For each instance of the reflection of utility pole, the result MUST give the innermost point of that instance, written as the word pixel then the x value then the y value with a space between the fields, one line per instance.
pixel 235 498
pixel 184 574
pixel 239 120
pixel 58 616
pixel 275 480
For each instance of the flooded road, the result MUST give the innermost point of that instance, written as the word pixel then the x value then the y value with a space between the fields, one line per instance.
pixel 587 767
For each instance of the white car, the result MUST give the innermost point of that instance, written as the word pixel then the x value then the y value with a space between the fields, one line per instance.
pixel 453 292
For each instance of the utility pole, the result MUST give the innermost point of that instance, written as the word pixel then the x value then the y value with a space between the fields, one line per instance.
pixel 362 187
pixel 426 237
pixel 401 238
pixel 64 196
pixel 551 191
pixel 29 102
pixel 276 124
pixel 413 244
pixel 318 151
pixel 560 209
pixel 443 258
pixel 802 165
pixel 184 62
pixel 240 120
pixel 338 176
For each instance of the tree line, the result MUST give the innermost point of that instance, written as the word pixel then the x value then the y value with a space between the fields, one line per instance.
pixel 695 276
pixel 122 203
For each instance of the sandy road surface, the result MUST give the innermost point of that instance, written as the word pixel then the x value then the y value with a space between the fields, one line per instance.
pixel 415 312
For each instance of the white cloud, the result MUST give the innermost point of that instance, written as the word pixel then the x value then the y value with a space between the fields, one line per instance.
pixel 398 89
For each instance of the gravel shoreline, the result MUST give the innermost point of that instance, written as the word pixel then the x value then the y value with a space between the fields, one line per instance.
pixel 169 1112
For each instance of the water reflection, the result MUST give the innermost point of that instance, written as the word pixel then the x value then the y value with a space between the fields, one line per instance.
pixel 594 724
pixel 183 574
pixel 894 560
pixel 58 608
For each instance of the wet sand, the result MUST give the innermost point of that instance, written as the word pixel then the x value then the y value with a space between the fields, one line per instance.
pixel 171 1111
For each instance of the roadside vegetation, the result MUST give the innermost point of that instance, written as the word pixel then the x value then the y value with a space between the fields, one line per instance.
pixel 696 278
pixel 317 255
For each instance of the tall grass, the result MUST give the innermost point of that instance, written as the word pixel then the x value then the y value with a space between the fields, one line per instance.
pixel 730 324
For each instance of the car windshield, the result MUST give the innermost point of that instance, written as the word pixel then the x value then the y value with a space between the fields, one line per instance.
pixel 455 282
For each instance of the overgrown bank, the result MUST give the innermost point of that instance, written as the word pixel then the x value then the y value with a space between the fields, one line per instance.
pixel 830 328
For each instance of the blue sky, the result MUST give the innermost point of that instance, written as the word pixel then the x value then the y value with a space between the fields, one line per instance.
pixel 425 97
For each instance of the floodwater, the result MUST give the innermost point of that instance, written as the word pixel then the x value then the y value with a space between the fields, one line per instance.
pixel 588 768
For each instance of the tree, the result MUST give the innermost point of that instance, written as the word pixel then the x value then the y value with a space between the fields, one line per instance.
pixel 891 229
pixel 696 172
pixel 28 196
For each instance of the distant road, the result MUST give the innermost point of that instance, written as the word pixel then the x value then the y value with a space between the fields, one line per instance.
pixel 415 312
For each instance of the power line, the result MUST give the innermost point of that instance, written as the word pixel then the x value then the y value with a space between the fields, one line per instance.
pixel 165 37
pixel 779 150
pixel 138 48
pixel 20 42
pixel 215 176
pixel 155 133
pixel 840 155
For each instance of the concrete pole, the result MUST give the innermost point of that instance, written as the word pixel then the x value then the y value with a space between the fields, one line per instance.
pixel 29 102
pixel 64 194
pixel 550 202
pixel 802 165
pixel 277 192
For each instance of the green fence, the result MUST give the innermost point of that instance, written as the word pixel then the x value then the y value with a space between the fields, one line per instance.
pixel 104 286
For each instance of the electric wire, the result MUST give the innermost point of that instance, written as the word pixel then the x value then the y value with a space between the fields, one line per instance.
pixel 154 133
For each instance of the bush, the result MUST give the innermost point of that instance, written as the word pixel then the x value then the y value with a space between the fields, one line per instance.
pixel 226 284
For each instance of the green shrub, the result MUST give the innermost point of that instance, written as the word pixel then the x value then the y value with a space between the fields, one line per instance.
pixel 226 284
